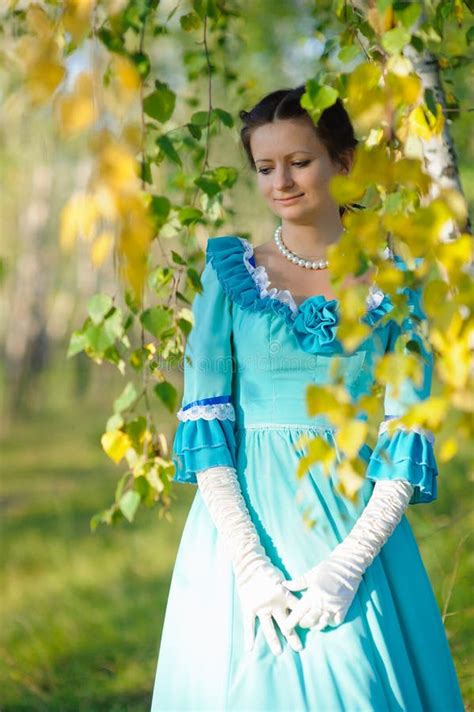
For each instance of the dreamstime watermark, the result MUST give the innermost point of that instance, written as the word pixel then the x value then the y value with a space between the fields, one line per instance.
pixel 272 360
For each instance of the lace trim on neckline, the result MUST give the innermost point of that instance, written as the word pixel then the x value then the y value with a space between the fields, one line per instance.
pixel 262 282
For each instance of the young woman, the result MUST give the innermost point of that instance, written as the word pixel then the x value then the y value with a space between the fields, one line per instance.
pixel 263 612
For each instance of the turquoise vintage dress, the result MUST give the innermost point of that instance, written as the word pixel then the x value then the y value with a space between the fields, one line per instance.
pixel 249 359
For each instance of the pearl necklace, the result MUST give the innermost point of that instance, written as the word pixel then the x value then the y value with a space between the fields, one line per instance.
pixel 293 257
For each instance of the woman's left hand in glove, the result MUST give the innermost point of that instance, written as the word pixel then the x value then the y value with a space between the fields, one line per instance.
pixel 332 584
pixel 330 591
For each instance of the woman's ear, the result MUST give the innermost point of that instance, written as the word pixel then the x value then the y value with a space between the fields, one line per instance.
pixel 346 160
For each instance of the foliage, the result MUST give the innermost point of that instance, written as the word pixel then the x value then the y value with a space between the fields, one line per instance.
pixel 142 157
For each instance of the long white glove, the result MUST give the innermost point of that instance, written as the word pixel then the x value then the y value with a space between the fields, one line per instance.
pixel 332 583
pixel 258 581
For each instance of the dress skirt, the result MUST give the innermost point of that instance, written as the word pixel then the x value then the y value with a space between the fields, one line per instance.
pixel 391 652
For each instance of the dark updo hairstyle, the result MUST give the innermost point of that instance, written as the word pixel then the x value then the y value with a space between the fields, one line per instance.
pixel 334 127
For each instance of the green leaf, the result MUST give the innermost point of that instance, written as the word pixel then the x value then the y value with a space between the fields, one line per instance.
pixel 126 398
pixel 145 172
pixel 115 422
pixel 189 216
pixel 194 130
pixel 348 53
pixel 318 97
pixel 177 258
pixel 430 100
pixel 185 325
pixel 113 325
pixel 201 118
pixel 142 63
pixel 131 301
pixel 226 175
pixel 168 394
pixel 395 39
pixel 210 187
pixel 195 279
pixel 190 22
pixel 206 8
pixel 121 485
pixel 166 147
pixel 160 208
pixel 156 320
pixel 135 429
pixel 407 13
pixel 160 103
pixel 98 306
pixel 103 517
pixel 97 338
pixel 224 117
pixel 77 343
pixel 159 278
pixel 113 42
pixel 181 296
pixel 129 504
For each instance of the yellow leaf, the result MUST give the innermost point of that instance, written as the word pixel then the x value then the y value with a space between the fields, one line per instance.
pixel 77 17
pixel 127 78
pixel 404 90
pixel 77 111
pixel 422 123
pixel 117 167
pixel 456 255
pixel 429 414
pixel 115 443
pixel 394 368
pixel 43 78
pixel 101 248
pixel 38 22
pixel 349 481
pixel 345 189
pixel 365 97
pixel 78 219
pixel 409 172
pixel 351 436
pixel 448 449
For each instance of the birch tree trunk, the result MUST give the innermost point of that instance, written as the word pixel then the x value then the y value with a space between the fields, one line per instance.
pixel 441 161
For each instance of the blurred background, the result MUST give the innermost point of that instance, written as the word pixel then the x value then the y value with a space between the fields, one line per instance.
pixel 82 612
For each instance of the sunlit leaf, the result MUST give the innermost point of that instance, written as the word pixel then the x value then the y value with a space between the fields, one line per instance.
pixel 115 444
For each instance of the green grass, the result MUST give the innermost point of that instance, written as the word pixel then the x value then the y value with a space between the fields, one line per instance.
pixel 82 613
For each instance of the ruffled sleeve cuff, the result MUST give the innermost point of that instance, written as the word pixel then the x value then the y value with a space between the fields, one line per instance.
pixel 407 455
pixel 202 441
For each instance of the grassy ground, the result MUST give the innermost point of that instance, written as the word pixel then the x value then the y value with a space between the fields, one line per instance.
pixel 81 612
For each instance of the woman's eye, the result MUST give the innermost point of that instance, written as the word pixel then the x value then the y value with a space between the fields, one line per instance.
pixel 300 164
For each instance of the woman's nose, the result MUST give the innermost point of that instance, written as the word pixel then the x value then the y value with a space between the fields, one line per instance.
pixel 282 178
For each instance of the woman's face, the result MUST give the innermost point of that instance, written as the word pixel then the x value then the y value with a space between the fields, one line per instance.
pixel 292 161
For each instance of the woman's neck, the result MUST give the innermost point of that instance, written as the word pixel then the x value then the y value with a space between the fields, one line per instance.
pixel 311 241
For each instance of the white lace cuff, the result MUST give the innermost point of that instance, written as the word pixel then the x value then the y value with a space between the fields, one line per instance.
pixel 221 411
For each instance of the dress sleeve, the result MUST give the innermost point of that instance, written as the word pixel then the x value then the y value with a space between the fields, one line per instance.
pixel 407 454
pixel 205 436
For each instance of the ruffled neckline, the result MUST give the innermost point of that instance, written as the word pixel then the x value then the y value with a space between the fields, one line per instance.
pixel 313 321
pixel 260 276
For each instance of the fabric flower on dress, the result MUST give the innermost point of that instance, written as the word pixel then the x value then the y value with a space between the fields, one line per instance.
pixel 315 325
pixel 316 321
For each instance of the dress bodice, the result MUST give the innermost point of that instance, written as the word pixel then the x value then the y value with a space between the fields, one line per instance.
pixel 280 348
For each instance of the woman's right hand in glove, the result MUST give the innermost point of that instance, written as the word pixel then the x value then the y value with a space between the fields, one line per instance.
pixel 259 583
pixel 264 596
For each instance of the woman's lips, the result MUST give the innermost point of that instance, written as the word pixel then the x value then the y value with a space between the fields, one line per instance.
pixel 289 200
